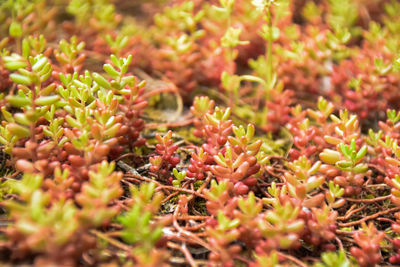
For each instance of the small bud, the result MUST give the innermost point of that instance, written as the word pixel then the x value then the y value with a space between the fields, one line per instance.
pixel 15 29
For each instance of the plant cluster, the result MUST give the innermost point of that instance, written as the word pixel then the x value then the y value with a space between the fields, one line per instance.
pixel 201 133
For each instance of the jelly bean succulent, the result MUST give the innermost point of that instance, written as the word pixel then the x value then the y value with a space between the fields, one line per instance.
pixel 200 133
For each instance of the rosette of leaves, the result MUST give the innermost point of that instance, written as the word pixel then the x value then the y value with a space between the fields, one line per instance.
pixel 217 126
pixel 346 128
pixel 97 195
pixel 175 47
pixel 26 17
pixel 139 227
pixel 281 225
pixel 51 229
pixel 198 165
pixel 34 99
pixel 348 159
pixel 128 91
pixel 303 180
pixel 162 164
pixel 70 55
pixel 266 260
pixel 100 15
pixel 92 117
pixel 240 162
pixel 200 107
pixel 233 168
pixel 331 259
pixel 219 197
pixel 221 236
pixel 368 238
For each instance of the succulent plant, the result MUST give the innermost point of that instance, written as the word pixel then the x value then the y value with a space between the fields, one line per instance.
pixel 283 148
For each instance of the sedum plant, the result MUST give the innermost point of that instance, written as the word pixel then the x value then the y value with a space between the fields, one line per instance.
pixel 57 229
pixel 138 228
pixel 283 149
